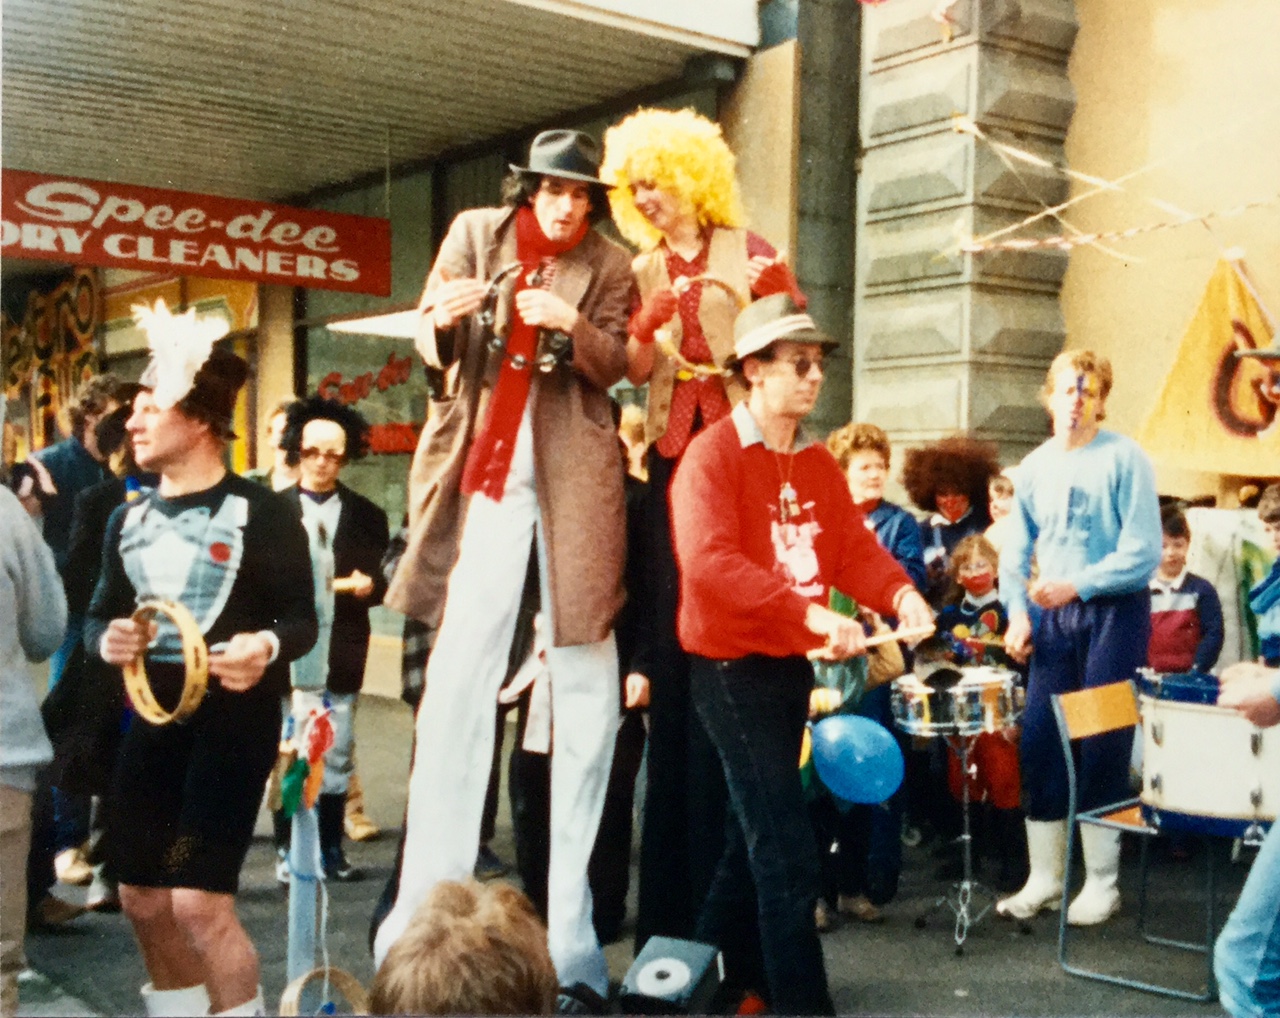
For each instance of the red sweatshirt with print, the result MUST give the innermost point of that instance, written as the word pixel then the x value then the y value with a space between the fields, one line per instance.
pixel 746 578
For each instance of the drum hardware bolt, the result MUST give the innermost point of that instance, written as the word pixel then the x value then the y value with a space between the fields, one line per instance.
pixel 1255 798
pixel 497 344
pixel 519 361
pixel 1253 835
pixel 1255 743
pixel 1156 783
pixel 1157 733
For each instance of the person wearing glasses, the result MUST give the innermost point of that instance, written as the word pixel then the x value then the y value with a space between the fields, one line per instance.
pixel 320 437
pixel 675 196
pixel 764 528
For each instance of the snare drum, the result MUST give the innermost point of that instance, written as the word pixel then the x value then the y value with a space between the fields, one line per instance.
pixel 925 706
pixel 987 700
pixel 1205 769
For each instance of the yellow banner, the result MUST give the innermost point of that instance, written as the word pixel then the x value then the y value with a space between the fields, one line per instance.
pixel 1217 412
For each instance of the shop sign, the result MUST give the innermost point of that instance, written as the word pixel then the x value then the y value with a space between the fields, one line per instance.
pixel 89 222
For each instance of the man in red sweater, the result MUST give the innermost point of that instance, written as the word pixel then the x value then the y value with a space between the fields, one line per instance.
pixel 764 527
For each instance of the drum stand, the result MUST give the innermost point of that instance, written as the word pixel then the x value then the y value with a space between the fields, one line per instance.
pixel 964 896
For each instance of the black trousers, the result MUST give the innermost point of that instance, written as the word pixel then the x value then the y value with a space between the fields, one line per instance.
pixel 686 800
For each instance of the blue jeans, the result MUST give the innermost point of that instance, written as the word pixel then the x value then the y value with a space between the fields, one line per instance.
pixel 759 910
pixel 1246 959
pixel 1079 646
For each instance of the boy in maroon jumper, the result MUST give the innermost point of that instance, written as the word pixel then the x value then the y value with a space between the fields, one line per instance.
pixel 764 526
pixel 1186 614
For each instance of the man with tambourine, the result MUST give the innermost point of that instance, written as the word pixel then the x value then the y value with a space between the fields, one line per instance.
pixel 208 575
pixel 525 312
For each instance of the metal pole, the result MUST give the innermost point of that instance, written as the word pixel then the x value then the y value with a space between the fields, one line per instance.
pixel 305 874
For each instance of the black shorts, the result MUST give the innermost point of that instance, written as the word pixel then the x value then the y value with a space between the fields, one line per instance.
pixel 185 796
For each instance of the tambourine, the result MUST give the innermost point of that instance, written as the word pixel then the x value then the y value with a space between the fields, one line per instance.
pixel 665 343
pixel 344 982
pixel 195 659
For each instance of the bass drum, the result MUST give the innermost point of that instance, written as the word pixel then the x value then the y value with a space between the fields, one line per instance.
pixel 1205 769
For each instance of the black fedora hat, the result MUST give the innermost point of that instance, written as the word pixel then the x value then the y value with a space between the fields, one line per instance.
pixel 561 153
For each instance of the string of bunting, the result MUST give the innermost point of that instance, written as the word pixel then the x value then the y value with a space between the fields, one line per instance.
pixel 1061 242
pixel 1064 243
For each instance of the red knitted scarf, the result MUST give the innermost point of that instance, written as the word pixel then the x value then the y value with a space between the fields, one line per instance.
pixel 489 460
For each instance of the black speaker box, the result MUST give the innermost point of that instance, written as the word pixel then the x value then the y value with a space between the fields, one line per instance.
pixel 672 976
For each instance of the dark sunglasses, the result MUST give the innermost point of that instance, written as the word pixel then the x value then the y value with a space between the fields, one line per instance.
pixel 325 454
pixel 804 365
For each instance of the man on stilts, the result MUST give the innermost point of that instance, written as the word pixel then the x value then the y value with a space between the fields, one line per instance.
pixel 534 470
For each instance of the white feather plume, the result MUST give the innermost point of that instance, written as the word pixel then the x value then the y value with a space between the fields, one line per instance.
pixel 180 344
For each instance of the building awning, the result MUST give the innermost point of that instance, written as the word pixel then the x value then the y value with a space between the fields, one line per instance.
pixel 266 101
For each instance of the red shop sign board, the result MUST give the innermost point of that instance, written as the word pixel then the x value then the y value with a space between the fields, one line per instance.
pixel 91 222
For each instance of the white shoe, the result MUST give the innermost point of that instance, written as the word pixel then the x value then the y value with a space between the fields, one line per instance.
pixel 283 873
pixel 1047 850
pixel 1099 899
pixel 71 867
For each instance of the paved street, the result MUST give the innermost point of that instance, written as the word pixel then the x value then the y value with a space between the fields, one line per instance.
pixel 92 966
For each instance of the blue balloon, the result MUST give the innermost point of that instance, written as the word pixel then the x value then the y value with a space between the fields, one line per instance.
pixel 856 758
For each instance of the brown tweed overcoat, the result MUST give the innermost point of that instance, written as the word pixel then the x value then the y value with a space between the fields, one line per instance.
pixel 578 466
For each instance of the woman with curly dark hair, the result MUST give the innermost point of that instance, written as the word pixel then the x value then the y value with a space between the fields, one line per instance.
pixel 948 480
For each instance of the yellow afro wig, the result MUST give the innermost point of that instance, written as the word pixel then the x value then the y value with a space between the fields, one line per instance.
pixel 681 152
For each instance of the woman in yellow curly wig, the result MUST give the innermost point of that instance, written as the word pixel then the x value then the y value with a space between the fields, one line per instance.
pixel 674 195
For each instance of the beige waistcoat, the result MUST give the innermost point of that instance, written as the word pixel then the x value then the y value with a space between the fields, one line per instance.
pixel 727 260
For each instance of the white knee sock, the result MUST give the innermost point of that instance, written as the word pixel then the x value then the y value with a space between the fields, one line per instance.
pixel 183 1003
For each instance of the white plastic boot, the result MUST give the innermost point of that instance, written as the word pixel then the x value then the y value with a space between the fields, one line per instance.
pixel 256 1006
pixel 1099 899
pixel 183 1003
pixel 1047 852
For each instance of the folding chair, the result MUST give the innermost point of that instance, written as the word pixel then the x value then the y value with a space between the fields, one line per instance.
pixel 1096 711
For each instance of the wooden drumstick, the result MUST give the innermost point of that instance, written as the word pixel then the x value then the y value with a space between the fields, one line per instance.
pixel 901 635
pixel 879 638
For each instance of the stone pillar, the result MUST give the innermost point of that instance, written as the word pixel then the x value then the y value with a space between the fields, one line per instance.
pixel 828 32
pixel 945 341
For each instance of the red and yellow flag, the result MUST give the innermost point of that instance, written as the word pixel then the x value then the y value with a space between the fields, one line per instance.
pixel 1217 412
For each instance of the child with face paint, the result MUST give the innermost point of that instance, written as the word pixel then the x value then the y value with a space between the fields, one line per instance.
pixel 948 480
pixel 976 621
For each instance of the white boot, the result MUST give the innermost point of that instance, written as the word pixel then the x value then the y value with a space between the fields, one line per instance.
pixel 256 1006
pixel 1047 851
pixel 183 1003
pixel 1099 899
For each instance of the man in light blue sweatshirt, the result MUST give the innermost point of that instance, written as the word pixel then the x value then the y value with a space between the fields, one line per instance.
pixel 1085 507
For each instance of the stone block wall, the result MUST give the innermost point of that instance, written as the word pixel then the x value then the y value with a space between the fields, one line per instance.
pixel 946 341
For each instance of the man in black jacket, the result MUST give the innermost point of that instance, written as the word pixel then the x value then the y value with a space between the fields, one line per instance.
pixel 320 437
pixel 185 797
